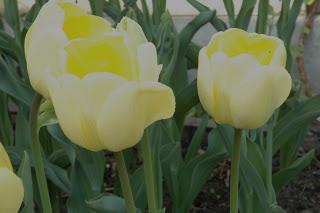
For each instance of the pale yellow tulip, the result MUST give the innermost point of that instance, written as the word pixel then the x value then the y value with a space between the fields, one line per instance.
pixel 103 82
pixel 242 79
pixel 11 187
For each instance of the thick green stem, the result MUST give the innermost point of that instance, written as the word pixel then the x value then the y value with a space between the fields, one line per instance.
pixel 125 182
pixel 235 162
pixel 146 154
pixel 38 161
pixel 269 155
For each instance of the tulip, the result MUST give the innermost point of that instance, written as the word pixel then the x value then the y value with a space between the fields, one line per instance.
pixel 242 78
pixel 11 187
pixel 103 82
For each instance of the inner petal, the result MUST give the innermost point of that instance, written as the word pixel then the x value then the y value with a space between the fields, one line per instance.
pixel 235 42
pixel 107 54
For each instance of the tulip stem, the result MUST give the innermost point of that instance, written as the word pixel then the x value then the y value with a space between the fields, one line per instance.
pixel 146 154
pixel 38 160
pixel 125 182
pixel 235 162
pixel 269 155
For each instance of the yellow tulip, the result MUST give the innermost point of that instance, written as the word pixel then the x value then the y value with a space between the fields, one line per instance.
pixel 103 82
pixel 11 187
pixel 242 79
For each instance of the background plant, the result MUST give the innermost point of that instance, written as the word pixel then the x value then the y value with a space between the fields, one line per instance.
pixel 185 172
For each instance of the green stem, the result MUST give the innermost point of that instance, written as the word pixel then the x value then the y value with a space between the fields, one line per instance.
pixel 235 162
pixel 269 155
pixel 36 150
pixel 146 154
pixel 125 182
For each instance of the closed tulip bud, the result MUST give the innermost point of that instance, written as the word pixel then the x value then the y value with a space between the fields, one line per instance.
pixel 103 82
pixel 242 78
pixel 11 187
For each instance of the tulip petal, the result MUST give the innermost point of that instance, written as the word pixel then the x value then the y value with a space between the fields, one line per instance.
pixel 43 42
pixel 106 54
pixel 4 159
pixel 148 61
pixel 86 26
pixel 77 103
pixel 255 98
pixel 205 82
pixel 134 32
pixel 130 109
pixel 234 42
pixel 11 193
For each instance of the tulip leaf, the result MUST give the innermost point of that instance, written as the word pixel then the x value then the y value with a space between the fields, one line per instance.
pixel 12 85
pixel 24 173
pixel 186 99
pixel 217 23
pixel 284 176
pixel 262 21
pixel 12 17
pixel 113 9
pixel 245 14
pixel 255 156
pixel 194 175
pixel 197 138
pixel 138 186
pixel 6 130
pixel 97 7
pixel 297 118
pixel 171 161
pixel 58 176
pixel 107 203
pixel 228 4
pixel 22 130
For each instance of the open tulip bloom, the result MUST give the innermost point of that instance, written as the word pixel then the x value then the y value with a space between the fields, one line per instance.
pixel 242 80
pixel 11 193
pixel 103 82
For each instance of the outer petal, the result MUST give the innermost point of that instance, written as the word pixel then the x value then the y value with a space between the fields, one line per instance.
pixel 134 32
pixel 205 82
pixel 11 193
pixel 253 101
pixel 130 109
pixel 42 46
pixel 234 42
pixel 4 159
pixel 77 103
pixel 58 22
pixel 148 62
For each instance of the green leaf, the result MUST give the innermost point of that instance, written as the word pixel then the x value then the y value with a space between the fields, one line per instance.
pixel 107 203
pixel 293 121
pixel 255 156
pixel 24 173
pixel 97 7
pixel 12 17
pixel 228 4
pixel 113 9
pixel 58 176
pixel 217 23
pixel 194 175
pixel 186 99
pixel 245 14
pixel 12 85
pixel 197 138
pixel 6 131
pixel 262 21
pixel 138 187
pixel 284 176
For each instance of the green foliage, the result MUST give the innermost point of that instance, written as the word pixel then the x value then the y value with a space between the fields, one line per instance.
pixel 80 174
